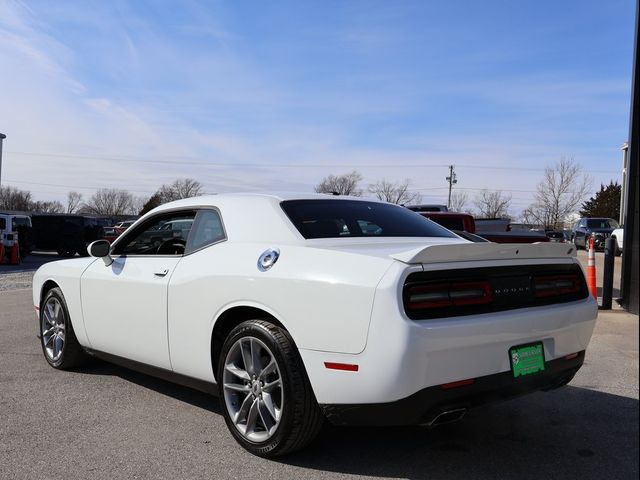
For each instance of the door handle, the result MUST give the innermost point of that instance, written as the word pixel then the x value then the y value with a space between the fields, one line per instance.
pixel 163 273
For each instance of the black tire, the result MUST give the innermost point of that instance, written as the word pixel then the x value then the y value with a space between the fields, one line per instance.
pixel 301 419
pixel 72 354
pixel 617 251
pixel 575 243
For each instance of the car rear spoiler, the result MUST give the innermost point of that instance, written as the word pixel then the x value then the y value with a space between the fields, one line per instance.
pixel 485 251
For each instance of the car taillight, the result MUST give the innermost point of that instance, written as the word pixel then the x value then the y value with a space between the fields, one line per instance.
pixel 449 294
pixel 549 286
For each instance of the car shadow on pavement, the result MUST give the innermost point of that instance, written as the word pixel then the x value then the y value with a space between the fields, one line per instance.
pixel 569 433
pixel 572 432
pixel 189 395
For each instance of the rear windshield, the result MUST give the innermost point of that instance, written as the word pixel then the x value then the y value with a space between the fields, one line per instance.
pixel 602 223
pixel 353 218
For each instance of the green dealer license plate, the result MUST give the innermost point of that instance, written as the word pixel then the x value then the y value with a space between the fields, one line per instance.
pixel 526 359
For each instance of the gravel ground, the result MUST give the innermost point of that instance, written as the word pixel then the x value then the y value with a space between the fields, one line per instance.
pixel 17 277
pixel 15 281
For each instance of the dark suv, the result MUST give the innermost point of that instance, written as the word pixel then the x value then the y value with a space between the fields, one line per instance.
pixel 599 228
pixel 65 234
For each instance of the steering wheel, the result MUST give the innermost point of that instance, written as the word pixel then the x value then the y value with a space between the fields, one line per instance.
pixel 173 246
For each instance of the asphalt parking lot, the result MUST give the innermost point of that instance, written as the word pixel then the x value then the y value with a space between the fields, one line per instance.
pixel 104 421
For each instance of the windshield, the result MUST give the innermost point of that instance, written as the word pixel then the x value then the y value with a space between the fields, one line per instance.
pixel 602 223
pixel 353 218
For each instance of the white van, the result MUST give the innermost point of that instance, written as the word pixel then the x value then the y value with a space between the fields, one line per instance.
pixel 10 226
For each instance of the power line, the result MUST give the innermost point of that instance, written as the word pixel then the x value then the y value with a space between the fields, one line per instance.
pixel 171 159
pixel 75 187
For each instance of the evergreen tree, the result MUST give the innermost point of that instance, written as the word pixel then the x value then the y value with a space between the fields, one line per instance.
pixel 606 203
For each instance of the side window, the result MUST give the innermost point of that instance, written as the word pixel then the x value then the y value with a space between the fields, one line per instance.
pixel 3 224
pixel 207 229
pixel 161 235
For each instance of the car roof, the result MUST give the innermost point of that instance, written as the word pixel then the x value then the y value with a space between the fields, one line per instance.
pixel 254 216
pixel 257 197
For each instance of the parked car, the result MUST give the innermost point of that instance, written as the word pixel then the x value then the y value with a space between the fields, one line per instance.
pixel 452 220
pixel 65 234
pixel 618 235
pixel 296 310
pixel 171 232
pixel 492 225
pixel 428 208
pixel 125 224
pixel 499 230
pixel 515 237
pixel 472 237
pixel 110 234
pixel 120 227
pixel 555 236
pixel 16 226
pixel 598 228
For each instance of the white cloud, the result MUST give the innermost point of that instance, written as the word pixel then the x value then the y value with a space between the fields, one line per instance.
pixel 236 126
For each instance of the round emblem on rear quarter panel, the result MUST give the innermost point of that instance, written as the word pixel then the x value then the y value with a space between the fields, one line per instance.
pixel 268 258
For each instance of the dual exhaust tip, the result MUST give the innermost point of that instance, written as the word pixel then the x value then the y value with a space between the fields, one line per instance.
pixel 447 416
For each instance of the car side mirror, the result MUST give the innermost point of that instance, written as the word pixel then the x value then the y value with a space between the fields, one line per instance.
pixel 101 249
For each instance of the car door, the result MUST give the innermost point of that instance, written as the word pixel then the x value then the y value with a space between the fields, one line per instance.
pixel 124 304
pixel 194 298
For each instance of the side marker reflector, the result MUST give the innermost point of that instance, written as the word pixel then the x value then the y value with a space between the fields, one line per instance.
pixel 349 367
pixel 571 356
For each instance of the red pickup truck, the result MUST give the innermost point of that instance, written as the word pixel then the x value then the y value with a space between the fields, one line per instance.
pixel 452 220
pixel 493 230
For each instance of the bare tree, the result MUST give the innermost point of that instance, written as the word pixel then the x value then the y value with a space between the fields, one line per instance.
pixel 12 198
pixel 110 201
pixel 395 192
pixel 346 184
pixel 459 201
pixel 47 207
pixel 74 200
pixel 139 203
pixel 559 194
pixel 181 188
pixel 492 204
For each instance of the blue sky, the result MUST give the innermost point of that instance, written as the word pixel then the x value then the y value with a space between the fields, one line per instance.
pixel 275 95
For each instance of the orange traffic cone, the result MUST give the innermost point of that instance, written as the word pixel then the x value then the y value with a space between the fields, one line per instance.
pixel 14 258
pixel 591 269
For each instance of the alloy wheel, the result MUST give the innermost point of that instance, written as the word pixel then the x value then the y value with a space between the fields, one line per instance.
pixel 53 328
pixel 252 387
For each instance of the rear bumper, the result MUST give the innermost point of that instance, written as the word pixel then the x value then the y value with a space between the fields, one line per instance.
pixel 424 405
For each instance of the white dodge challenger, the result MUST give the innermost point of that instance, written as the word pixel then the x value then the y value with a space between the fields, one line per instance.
pixel 297 309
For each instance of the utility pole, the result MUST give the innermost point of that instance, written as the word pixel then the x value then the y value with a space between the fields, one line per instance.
pixel 452 181
pixel 2 137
